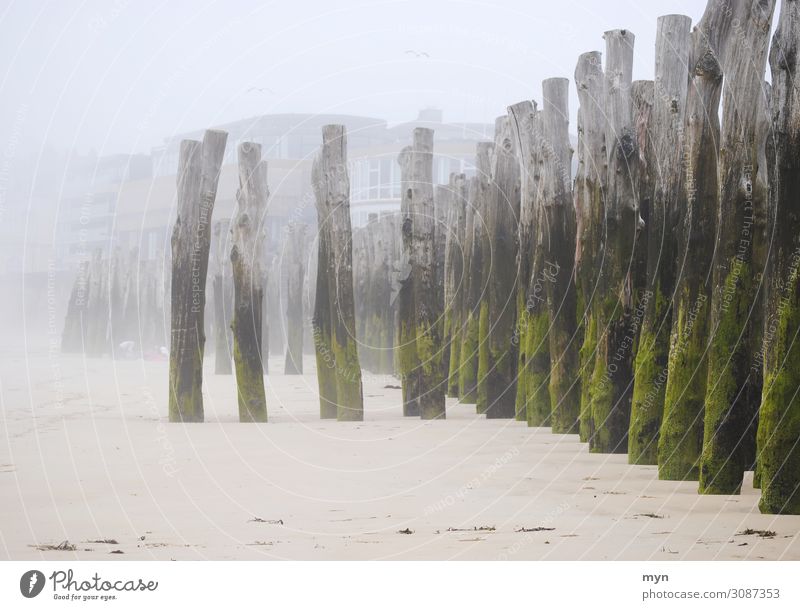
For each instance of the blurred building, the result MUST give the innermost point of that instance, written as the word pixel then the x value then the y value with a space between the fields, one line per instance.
pixel 130 200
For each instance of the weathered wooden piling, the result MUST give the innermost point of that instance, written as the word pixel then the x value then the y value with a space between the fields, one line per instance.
pixel 669 107
pixel 198 176
pixel 455 278
pixel 590 184
pixel 246 255
pixel 728 404
pixel 222 285
pixel 322 321
pixel 497 381
pixel 442 201
pixel 533 368
pixel 681 436
pixel 779 422
pixel 97 306
pixel 475 230
pixel 642 99
pixel 294 268
pixel 73 335
pixel 332 188
pixel 521 117
pixel 407 357
pixel 427 313
pixel 613 370
pixel 559 249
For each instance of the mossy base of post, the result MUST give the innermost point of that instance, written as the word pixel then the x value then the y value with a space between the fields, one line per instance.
pixel 481 403
pixel 540 410
pixel 186 397
pixel 680 441
pixel 587 356
pixel 727 417
pixel 468 369
pixel 649 389
pixel 611 382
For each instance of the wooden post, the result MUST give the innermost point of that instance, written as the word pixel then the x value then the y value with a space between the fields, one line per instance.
pixel 762 243
pixel 117 330
pixel 97 306
pixel 73 336
pixel 681 436
pixel 271 293
pixel 382 298
pixel 332 188
pixel 455 278
pixel 322 322
pixel 406 312
pixel 130 300
pixel 223 300
pixel 533 397
pixel 497 382
pixel 246 254
pixel 198 176
pixel 669 107
pixel 522 124
pixel 427 312
pixel 779 422
pixel 294 266
pixel 363 259
pixel 729 400
pixel 442 203
pixel 613 370
pixel 642 92
pixel 559 246
pixel 475 229
pixel 590 183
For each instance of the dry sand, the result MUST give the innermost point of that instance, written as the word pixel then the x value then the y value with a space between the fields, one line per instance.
pixel 87 455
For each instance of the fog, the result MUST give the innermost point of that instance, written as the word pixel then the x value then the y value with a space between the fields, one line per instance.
pixel 118 76
pixel 83 81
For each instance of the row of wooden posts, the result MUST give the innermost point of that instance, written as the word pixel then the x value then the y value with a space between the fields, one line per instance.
pixel 650 305
pixel 113 299
pixel 284 298
pixel 240 274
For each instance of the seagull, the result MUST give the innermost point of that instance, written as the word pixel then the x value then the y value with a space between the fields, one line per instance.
pixel 417 53
pixel 261 90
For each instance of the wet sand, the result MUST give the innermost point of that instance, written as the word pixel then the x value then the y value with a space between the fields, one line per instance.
pixel 87 455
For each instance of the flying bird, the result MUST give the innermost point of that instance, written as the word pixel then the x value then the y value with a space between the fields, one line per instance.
pixel 261 90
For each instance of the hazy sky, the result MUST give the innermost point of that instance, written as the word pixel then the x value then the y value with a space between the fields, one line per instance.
pixel 120 75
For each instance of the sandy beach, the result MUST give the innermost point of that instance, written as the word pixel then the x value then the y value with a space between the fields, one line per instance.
pixel 88 457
